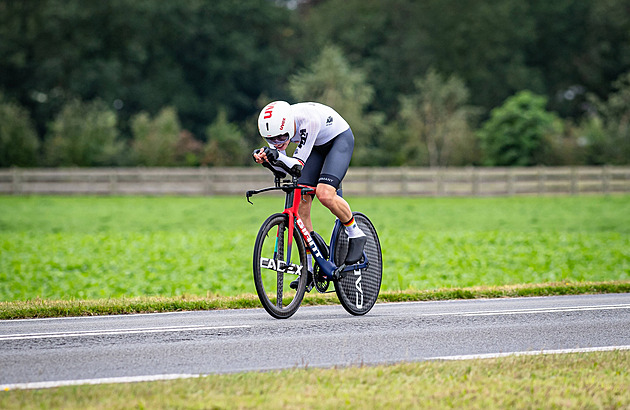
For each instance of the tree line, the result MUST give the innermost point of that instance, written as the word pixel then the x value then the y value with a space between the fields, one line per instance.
pixel 432 83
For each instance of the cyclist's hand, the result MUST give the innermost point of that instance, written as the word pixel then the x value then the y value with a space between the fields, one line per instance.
pixel 265 154
pixel 259 156
pixel 271 154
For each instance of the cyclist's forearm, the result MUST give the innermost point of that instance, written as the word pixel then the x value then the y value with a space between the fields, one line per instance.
pixel 289 161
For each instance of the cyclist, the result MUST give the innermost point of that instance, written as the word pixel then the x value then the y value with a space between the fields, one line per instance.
pixel 324 148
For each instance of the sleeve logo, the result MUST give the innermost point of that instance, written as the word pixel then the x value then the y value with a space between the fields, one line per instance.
pixel 303 136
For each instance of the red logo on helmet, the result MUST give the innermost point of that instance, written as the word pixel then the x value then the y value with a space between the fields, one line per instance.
pixel 282 125
pixel 268 110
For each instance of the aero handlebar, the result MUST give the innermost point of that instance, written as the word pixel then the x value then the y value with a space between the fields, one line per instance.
pixel 273 161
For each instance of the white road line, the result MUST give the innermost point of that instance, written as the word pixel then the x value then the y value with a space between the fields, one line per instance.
pixel 98 317
pixel 107 380
pixel 107 332
pixel 530 353
pixel 530 311
pixel 160 377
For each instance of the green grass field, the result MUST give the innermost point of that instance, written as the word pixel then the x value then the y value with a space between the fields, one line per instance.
pixel 104 247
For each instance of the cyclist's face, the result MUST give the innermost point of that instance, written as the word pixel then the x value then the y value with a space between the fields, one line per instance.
pixel 282 146
pixel 281 142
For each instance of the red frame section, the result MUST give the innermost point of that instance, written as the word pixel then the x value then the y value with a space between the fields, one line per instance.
pixel 294 216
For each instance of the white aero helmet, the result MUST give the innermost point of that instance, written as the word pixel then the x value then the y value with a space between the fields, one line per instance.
pixel 275 122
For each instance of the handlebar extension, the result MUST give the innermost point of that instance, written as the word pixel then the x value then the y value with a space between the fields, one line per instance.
pixel 273 161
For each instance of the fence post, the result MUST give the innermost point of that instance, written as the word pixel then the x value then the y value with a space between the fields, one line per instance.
pixel 510 182
pixel 440 181
pixel 605 180
pixel 475 181
pixel 542 177
pixel 404 180
pixel 210 177
pixel 113 181
pixel 16 181
pixel 574 181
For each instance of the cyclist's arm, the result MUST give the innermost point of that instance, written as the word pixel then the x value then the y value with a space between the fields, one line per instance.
pixel 289 161
pixel 280 161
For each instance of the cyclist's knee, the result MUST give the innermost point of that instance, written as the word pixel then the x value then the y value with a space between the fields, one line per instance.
pixel 326 194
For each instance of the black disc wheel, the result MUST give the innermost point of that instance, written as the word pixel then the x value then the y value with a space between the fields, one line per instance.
pixel 359 289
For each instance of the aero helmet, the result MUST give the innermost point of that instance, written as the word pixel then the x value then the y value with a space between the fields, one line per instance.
pixel 275 122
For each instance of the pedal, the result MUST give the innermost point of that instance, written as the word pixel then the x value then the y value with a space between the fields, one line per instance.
pixel 339 273
pixel 310 286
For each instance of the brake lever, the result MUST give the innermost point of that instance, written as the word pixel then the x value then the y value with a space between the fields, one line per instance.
pixel 249 194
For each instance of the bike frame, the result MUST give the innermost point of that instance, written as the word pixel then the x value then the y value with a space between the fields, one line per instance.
pixel 294 194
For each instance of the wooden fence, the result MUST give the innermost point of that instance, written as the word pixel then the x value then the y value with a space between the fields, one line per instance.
pixel 471 181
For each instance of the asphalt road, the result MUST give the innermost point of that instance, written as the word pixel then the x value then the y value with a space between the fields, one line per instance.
pixel 49 352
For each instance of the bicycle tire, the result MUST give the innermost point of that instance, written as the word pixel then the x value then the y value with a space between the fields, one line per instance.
pixel 358 291
pixel 272 273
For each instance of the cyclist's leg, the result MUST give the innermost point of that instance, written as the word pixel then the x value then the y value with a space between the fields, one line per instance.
pixel 337 159
pixel 305 211
pixel 334 169
pixel 327 195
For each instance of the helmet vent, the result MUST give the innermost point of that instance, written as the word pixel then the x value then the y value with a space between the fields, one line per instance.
pixel 267 124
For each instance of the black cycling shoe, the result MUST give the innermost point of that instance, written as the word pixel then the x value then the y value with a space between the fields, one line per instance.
pixel 355 249
pixel 309 282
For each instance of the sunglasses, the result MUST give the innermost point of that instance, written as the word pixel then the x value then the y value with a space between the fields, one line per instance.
pixel 278 139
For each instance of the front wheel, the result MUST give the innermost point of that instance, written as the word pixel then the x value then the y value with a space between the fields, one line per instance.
pixel 273 271
pixel 359 289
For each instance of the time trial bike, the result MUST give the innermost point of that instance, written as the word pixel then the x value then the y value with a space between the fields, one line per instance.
pixel 280 256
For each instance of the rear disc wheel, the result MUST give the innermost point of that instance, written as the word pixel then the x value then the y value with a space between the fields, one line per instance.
pixel 359 289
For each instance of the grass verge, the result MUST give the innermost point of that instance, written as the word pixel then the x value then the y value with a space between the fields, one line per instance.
pixel 41 308
pixel 582 380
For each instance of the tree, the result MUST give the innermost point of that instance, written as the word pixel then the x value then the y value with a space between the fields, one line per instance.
pixel 396 41
pixel 437 119
pixel 606 132
pixel 332 81
pixel 18 140
pixel 143 55
pixel 560 49
pixel 83 134
pixel 517 132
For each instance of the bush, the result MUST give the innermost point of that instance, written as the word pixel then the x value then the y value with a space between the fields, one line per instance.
pixel 155 139
pixel 18 140
pixel 226 145
pixel 83 134
pixel 518 132
pixel 188 150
